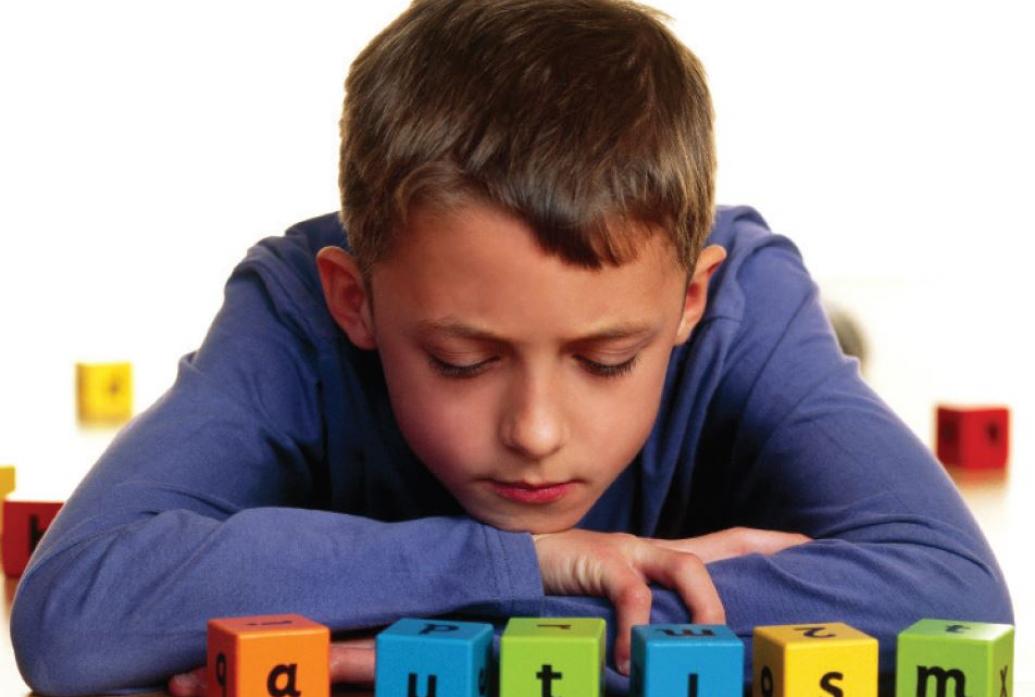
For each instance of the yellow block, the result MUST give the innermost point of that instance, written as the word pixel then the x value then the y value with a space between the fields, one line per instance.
pixel 814 659
pixel 104 392
pixel 6 487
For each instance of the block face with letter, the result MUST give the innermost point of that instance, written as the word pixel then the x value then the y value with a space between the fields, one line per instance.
pixel 104 393
pixel 268 656
pixel 814 659
pixel 973 437
pixel 434 658
pixel 686 660
pixel 24 525
pixel 946 658
pixel 552 657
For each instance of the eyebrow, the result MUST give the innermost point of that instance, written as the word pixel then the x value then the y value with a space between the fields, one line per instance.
pixel 462 330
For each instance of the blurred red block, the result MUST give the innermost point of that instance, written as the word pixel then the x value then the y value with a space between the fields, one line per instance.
pixel 973 437
pixel 24 525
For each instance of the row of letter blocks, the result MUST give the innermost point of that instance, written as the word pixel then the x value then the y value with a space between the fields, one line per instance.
pixel 287 656
pixel 22 524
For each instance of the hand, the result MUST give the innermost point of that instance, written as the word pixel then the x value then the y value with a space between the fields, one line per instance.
pixel 619 566
pixel 351 661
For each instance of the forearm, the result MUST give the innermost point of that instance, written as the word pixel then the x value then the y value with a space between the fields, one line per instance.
pixel 129 607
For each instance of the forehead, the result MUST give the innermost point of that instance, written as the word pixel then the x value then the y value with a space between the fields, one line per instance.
pixel 480 264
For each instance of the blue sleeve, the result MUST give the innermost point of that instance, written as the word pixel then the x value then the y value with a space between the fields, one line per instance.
pixel 814 450
pixel 199 508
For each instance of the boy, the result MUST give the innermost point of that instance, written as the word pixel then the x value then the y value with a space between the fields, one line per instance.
pixel 543 378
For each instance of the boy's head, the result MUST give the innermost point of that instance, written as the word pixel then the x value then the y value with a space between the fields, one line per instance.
pixel 526 186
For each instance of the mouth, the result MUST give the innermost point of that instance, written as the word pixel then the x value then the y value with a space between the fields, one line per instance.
pixel 522 492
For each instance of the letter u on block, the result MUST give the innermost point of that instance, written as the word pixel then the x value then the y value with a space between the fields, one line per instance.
pixel 434 658
pixel 268 656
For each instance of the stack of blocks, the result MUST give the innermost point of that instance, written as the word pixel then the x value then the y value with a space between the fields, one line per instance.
pixel 287 655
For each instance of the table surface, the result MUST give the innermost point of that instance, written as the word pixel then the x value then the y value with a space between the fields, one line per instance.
pixel 1001 503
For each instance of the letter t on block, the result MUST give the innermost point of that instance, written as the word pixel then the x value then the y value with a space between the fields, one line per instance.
pixel 268 656
pixel 946 658
pixel 552 657
pixel 434 658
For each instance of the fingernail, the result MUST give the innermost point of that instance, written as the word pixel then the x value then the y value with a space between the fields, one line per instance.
pixel 624 667
pixel 185 683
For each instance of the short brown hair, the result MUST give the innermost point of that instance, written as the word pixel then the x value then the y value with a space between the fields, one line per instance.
pixel 572 114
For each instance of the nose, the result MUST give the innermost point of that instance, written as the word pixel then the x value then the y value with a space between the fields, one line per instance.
pixel 532 424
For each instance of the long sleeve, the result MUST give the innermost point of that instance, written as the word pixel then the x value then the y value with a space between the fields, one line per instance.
pixel 209 504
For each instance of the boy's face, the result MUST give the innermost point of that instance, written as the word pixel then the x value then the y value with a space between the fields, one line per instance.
pixel 525 384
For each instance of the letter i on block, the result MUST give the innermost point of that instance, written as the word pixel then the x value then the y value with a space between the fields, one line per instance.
pixel 552 657
pixel 268 656
pixel 946 658
pixel 814 659
pixel 433 658
pixel 695 660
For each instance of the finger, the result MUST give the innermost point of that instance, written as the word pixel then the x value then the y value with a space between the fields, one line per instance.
pixel 688 575
pixel 353 662
pixel 632 599
pixel 192 684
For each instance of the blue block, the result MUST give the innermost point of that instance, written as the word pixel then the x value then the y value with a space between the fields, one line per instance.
pixel 434 658
pixel 686 660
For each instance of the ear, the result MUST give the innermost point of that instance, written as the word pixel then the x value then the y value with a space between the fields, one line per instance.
pixel 346 295
pixel 710 258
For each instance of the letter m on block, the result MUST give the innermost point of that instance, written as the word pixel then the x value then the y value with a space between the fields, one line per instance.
pixel 941 678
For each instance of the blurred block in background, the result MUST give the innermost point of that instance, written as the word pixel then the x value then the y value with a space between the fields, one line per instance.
pixel 104 393
pixel 7 480
pixel 973 437
pixel 25 522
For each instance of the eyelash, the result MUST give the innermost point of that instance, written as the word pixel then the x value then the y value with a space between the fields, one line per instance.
pixel 601 370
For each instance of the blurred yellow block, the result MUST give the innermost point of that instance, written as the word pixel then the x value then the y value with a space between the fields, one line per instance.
pixel 104 392
pixel 6 487
pixel 814 659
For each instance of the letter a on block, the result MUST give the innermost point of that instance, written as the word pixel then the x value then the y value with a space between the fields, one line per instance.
pixel 946 658
pixel 268 656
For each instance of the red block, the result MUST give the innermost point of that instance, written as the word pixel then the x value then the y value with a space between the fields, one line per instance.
pixel 24 525
pixel 974 437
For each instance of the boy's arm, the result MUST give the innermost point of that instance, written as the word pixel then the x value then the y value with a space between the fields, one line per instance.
pixel 190 515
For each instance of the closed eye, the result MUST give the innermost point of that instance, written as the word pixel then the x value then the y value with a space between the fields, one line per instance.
pixel 608 370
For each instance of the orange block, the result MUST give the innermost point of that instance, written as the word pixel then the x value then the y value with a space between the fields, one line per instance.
pixel 24 525
pixel 268 656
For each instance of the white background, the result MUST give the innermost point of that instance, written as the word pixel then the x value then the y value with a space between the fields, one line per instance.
pixel 145 146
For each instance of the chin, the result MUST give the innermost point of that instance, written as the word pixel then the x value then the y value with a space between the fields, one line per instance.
pixel 534 524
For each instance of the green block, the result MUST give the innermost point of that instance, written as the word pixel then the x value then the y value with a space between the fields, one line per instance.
pixel 552 657
pixel 950 658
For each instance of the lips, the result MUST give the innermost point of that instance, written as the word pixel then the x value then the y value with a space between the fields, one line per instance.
pixel 522 492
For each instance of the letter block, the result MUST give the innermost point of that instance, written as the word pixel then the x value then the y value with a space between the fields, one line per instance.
pixel 552 657
pixel 695 660
pixel 7 480
pixel 104 393
pixel 949 658
pixel 814 659
pixel 974 438
pixel 268 656
pixel 434 658
pixel 24 525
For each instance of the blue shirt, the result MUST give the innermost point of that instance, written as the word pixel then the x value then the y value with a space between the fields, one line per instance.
pixel 272 478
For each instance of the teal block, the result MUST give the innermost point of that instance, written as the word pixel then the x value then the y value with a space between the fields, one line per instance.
pixel 691 660
pixel 434 658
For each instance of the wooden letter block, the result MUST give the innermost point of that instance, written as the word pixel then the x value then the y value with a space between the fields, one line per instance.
pixel 686 660
pixel 974 438
pixel 552 657
pixel 268 656
pixel 6 487
pixel 814 659
pixel 24 525
pixel 104 392
pixel 434 658
pixel 945 658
